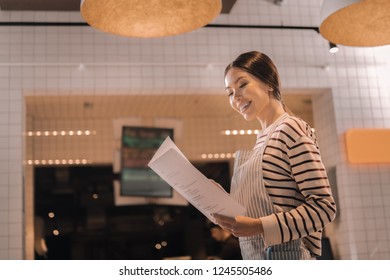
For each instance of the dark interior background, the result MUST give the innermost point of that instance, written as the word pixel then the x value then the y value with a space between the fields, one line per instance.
pixel 91 227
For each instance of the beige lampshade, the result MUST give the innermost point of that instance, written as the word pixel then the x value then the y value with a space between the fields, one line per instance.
pixel 149 18
pixel 362 23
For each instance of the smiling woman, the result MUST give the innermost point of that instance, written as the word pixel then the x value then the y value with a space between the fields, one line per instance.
pixel 281 181
pixel 266 101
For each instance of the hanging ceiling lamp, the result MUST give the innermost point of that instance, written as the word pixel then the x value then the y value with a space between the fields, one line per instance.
pixel 149 18
pixel 356 23
pixel 333 48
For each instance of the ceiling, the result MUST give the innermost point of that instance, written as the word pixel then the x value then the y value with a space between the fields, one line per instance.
pixel 189 105
pixel 179 106
pixel 67 5
pixel 40 5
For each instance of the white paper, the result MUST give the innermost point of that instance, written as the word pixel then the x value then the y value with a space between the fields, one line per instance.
pixel 174 168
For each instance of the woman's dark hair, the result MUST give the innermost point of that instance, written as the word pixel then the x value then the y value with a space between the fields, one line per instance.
pixel 261 66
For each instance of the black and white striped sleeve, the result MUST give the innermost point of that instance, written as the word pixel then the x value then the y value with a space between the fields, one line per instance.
pixel 318 207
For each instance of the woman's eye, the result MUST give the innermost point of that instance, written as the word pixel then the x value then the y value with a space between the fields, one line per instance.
pixel 230 93
pixel 243 85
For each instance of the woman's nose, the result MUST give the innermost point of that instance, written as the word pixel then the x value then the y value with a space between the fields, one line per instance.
pixel 236 96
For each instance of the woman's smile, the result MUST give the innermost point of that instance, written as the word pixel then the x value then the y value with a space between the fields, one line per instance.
pixel 244 107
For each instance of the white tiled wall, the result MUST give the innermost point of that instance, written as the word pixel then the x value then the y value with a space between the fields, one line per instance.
pixel 45 61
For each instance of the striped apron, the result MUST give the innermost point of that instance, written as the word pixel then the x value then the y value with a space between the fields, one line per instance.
pixel 248 188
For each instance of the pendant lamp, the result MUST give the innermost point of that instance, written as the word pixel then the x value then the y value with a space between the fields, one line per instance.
pixel 364 23
pixel 149 18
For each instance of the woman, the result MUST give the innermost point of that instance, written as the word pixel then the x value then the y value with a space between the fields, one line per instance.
pixel 282 181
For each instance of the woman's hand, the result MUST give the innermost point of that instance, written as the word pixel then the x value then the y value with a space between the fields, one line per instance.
pixel 217 185
pixel 240 226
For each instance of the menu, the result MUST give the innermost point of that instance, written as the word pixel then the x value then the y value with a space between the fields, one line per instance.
pixel 174 168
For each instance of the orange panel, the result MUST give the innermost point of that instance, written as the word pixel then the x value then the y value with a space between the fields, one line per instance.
pixel 368 145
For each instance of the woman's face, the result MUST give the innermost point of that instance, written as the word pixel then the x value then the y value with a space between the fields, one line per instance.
pixel 247 94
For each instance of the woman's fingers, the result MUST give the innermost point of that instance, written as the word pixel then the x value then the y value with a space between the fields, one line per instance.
pixel 240 225
pixel 223 218
pixel 224 221
pixel 216 184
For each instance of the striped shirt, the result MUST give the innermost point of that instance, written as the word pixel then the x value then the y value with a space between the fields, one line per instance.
pixel 296 180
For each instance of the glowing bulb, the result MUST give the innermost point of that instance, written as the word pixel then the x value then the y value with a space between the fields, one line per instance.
pixel 333 48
